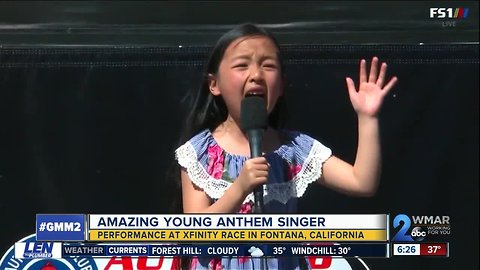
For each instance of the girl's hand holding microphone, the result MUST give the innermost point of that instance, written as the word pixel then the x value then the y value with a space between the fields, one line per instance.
pixel 253 174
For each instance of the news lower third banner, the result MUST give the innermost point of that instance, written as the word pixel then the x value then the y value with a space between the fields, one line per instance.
pixel 213 228
pixel 58 250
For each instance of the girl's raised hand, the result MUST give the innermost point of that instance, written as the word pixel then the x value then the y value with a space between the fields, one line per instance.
pixel 368 100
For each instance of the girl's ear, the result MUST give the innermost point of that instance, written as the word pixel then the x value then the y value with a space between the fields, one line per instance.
pixel 212 85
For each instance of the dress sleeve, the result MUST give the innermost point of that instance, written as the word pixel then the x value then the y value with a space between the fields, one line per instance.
pixel 315 155
pixel 304 157
pixel 204 162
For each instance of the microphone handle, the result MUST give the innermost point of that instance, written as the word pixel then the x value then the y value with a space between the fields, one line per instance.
pixel 255 137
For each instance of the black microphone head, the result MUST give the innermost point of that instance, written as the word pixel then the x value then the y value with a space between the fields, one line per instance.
pixel 253 114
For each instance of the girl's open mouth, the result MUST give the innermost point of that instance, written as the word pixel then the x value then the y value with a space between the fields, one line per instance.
pixel 255 92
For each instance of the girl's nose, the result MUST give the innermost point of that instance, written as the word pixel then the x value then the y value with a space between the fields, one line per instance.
pixel 256 73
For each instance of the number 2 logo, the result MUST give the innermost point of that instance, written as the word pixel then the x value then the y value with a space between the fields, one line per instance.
pixel 401 235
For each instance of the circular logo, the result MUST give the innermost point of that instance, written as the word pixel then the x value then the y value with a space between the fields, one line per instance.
pixel 9 261
pixel 418 234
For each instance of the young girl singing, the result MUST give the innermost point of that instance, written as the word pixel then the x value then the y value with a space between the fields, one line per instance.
pixel 217 173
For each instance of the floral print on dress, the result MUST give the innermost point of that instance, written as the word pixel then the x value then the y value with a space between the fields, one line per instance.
pixel 215 264
pixel 215 169
pixel 216 160
pixel 293 170
pixel 246 208
pixel 193 263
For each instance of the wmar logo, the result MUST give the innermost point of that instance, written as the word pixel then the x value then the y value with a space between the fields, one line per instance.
pixel 422 226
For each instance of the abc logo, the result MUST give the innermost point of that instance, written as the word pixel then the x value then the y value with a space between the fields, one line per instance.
pixel 418 234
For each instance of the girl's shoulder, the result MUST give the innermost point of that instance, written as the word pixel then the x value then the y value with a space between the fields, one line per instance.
pixel 201 140
pixel 297 146
pixel 196 148
pixel 294 140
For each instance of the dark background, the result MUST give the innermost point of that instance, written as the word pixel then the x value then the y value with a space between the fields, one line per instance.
pixel 92 98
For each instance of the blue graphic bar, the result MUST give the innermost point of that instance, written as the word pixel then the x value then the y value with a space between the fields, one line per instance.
pixel 373 250
pixel 60 227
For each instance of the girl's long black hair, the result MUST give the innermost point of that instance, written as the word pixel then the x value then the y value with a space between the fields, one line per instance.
pixel 208 111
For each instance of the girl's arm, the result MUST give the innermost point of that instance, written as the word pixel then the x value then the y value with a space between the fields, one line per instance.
pixel 362 178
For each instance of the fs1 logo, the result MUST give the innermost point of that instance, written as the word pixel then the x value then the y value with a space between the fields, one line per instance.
pixel 448 13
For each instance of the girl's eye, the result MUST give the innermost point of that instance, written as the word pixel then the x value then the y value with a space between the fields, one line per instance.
pixel 270 65
pixel 241 65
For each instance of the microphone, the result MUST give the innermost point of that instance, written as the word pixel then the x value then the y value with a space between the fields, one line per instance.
pixel 254 121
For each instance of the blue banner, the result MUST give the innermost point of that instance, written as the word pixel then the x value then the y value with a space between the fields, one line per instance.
pixel 60 227
pixel 373 250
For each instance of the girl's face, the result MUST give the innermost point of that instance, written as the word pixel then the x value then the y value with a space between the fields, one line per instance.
pixel 250 65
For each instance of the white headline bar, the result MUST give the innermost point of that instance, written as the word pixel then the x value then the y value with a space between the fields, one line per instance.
pixel 234 221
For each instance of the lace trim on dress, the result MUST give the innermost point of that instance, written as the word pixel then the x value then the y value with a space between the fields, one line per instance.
pixel 281 192
pixel 310 172
pixel 215 188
